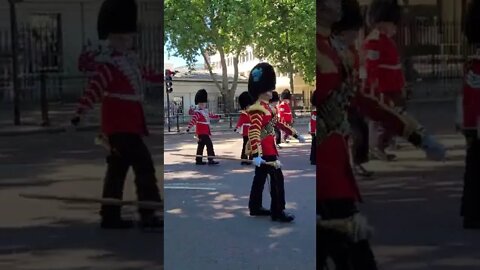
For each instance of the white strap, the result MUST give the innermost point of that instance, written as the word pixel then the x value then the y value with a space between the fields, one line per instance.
pixel 393 67
pixel 205 123
pixel 128 97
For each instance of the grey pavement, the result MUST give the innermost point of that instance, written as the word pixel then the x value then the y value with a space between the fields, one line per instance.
pixel 207 225
pixel 50 235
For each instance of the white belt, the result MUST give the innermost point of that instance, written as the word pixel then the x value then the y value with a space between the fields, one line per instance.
pixel 287 113
pixel 128 97
pixel 394 67
pixel 205 123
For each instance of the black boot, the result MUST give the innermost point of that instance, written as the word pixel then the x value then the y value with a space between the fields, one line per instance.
pixel 116 223
pixel 213 162
pixel 260 212
pixel 283 217
pixel 151 223
pixel 199 161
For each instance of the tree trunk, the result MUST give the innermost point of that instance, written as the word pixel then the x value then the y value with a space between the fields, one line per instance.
pixel 228 101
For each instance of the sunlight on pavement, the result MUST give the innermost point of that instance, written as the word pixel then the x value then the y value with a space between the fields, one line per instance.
pixel 279 232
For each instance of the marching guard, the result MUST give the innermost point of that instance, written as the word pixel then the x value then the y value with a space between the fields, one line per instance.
pixel 118 82
pixel 285 111
pixel 470 208
pixel 201 120
pixel 243 124
pixel 261 83
pixel 342 233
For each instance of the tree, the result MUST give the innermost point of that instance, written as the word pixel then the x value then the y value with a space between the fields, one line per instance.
pixel 285 36
pixel 204 27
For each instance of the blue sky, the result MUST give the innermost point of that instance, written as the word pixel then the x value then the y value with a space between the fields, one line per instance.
pixel 177 61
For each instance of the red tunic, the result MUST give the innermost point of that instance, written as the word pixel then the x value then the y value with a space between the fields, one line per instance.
pixel 201 121
pixel 118 83
pixel 261 133
pixel 285 112
pixel 335 179
pixel 382 64
pixel 312 127
pixel 243 123
pixel 471 94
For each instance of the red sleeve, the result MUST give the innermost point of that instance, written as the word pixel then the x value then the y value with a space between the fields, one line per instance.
pixel 194 120
pixel 372 51
pixel 328 73
pixel 243 119
pixel 95 88
pixel 214 116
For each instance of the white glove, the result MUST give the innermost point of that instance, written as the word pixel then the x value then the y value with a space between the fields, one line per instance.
pixel 278 164
pixel 258 161
pixel 301 139
pixel 433 149
pixel 361 229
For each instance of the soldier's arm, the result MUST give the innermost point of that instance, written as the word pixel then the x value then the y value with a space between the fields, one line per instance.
pixel 254 133
pixel 193 121
pixel 95 88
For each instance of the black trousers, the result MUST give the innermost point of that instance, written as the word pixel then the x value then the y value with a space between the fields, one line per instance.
pixel 204 140
pixel 243 155
pixel 360 140
pixel 129 150
pixel 345 254
pixel 277 190
pixel 313 156
pixel 278 136
pixel 470 208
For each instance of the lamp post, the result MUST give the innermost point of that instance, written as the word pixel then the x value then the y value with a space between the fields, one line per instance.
pixel 14 44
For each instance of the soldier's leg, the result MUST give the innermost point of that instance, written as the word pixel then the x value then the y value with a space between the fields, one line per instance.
pixel 471 190
pixel 145 179
pixel 277 194
pixel 243 155
pixel 117 168
pixel 210 151
pixel 200 147
pixel 256 192
pixel 312 151
pixel 278 136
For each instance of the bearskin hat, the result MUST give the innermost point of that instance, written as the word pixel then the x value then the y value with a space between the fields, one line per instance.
pixel 286 94
pixel 384 11
pixel 201 96
pixel 470 28
pixel 313 98
pixel 275 97
pixel 352 18
pixel 117 17
pixel 262 79
pixel 245 100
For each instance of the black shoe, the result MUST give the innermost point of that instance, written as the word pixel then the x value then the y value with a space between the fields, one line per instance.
pixel 283 217
pixel 151 223
pixel 260 212
pixel 118 224
pixel 213 162
pixel 361 171
pixel 200 163
pixel 472 224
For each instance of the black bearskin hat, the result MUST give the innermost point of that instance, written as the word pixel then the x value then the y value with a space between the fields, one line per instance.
pixel 245 100
pixel 384 11
pixel 352 18
pixel 117 17
pixel 313 98
pixel 262 79
pixel 286 94
pixel 471 28
pixel 201 96
pixel 275 97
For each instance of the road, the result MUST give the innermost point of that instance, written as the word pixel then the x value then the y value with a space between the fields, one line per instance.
pixel 50 235
pixel 207 223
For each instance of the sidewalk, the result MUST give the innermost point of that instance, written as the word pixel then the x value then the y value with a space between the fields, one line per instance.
pixel 59 117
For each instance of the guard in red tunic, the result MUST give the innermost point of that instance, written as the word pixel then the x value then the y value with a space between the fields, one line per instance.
pixel 470 209
pixel 385 77
pixel 201 121
pixel 119 83
pixel 285 111
pixel 312 127
pixel 243 124
pixel 261 136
